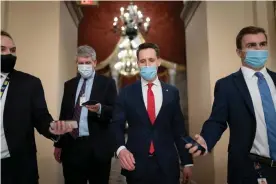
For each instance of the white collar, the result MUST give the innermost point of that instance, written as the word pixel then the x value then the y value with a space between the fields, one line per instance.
pixel 250 73
pixel 155 82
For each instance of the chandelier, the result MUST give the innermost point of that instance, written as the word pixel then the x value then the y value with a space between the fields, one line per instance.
pixel 131 21
pixel 127 60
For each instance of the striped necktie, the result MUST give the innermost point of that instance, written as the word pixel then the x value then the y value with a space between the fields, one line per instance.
pixel 77 111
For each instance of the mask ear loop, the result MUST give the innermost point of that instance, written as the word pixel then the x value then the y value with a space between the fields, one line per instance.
pixel 242 54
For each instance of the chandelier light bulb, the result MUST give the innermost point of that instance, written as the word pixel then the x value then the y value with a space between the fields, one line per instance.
pixel 126 15
pixel 119 55
pixel 114 23
pixel 147 19
pixel 122 9
pixel 115 19
pixel 118 66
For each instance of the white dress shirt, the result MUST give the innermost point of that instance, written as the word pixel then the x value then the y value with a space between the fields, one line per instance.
pixel 157 91
pixel 260 144
pixel 4 147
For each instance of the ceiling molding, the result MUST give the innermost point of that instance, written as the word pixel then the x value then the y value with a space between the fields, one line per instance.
pixel 188 11
pixel 75 11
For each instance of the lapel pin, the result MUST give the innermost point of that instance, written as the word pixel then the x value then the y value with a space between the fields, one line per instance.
pixel 167 90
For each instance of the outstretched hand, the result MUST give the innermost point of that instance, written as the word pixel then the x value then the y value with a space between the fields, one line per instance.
pixel 60 127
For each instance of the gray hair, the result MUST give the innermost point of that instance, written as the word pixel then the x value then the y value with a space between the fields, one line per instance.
pixel 86 51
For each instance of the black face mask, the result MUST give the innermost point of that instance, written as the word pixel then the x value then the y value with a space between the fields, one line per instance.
pixel 7 63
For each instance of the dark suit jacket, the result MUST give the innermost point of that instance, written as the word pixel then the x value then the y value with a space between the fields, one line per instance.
pixel 25 108
pixel 166 132
pixel 233 105
pixel 103 90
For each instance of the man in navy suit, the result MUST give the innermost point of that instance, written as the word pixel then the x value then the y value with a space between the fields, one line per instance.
pixel 86 153
pixel 156 125
pixel 23 109
pixel 246 102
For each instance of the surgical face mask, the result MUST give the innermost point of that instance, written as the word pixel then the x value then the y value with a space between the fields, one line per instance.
pixel 148 72
pixel 85 71
pixel 256 58
pixel 7 63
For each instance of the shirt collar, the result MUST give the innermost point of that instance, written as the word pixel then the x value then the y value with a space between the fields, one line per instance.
pixel 156 82
pixel 250 73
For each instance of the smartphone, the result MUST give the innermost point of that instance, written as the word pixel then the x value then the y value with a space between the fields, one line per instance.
pixel 73 123
pixel 189 140
pixel 90 102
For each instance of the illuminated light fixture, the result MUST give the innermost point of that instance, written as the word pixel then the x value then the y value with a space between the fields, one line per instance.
pixel 131 21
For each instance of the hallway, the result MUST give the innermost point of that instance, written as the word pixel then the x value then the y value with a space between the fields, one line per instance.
pixel 199 49
pixel 117 178
pixel 115 175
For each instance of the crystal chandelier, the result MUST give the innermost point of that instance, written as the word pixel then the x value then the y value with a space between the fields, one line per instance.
pixel 127 60
pixel 131 21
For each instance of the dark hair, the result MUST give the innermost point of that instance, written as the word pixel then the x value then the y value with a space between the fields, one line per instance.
pixel 4 33
pixel 148 46
pixel 246 31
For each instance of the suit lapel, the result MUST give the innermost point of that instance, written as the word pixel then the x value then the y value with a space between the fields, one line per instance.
pixel 73 89
pixel 12 94
pixel 95 88
pixel 242 87
pixel 272 75
pixel 12 88
pixel 141 108
pixel 165 94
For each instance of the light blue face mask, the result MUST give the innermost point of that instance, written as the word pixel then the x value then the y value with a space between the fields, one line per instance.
pixel 256 58
pixel 148 72
pixel 85 71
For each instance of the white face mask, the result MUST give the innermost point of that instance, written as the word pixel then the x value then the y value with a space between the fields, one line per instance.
pixel 85 71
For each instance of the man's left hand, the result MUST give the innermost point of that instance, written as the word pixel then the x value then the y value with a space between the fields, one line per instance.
pixel 60 127
pixel 93 108
pixel 187 174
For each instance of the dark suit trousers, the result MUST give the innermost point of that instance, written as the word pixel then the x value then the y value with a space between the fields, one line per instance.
pixel 81 165
pixel 154 174
pixel 11 173
pixel 268 172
